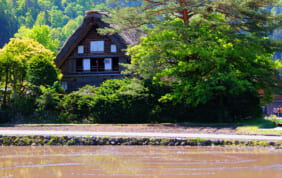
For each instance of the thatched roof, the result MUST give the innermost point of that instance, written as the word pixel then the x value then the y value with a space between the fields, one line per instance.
pixel 91 18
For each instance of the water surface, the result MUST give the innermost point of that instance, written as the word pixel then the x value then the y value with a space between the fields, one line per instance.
pixel 138 161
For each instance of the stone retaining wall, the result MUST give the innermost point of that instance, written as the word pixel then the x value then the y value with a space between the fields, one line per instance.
pixel 37 140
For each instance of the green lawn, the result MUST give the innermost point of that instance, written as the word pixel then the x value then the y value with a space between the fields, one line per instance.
pixel 260 126
pixel 256 130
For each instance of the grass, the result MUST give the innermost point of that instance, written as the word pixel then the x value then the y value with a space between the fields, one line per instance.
pixel 256 130
pixel 260 123
pixel 259 126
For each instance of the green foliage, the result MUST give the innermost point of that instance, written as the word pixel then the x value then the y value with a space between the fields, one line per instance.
pixel 14 59
pixel 76 106
pixel 58 13
pixel 49 99
pixel 40 20
pixel 55 17
pixel 41 34
pixel 54 13
pixel 42 70
pixel 115 101
pixel 241 16
pixel 23 104
pixel 202 63
pixel 123 101
pixel 29 21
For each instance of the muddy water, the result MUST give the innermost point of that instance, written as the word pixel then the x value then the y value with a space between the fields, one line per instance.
pixel 142 161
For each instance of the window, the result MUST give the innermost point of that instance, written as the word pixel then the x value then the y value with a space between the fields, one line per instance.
pixel 86 65
pixel 64 85
pixel 108 63
pixel 97 46
pixel 113 48
pixel 80 49
pixel 79 65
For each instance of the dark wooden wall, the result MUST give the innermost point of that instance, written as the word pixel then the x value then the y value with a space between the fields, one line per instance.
pixel 92 35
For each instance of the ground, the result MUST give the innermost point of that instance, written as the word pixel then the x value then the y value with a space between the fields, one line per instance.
pixel 156 128
pixel 161 128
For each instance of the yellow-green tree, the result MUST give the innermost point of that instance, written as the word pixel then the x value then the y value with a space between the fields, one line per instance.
pixel 14 59
pixel 41 34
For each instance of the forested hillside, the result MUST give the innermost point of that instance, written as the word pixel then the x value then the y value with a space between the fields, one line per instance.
pixel 277 35
pixel 62 16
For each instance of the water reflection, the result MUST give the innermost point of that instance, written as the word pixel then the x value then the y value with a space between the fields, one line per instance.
pixel 140 161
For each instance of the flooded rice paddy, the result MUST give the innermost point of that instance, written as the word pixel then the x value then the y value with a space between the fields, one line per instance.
pixel 139 161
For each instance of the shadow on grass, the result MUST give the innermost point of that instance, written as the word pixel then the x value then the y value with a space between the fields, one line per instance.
pixel 200 126
pixel 260 123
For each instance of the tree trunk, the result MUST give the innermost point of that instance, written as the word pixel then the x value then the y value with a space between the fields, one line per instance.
pixel 5 91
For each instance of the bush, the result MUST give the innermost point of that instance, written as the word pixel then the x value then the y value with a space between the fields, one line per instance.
pixel 42 71
pixel 49 99
pixel 75 106
pixel 115 101
pixel 244 105
pixel 129 101
pixel 23 104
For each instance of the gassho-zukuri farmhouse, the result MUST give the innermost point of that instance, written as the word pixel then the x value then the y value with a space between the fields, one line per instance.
pixel 90 58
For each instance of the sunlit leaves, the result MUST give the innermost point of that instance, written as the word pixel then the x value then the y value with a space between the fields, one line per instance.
pixel 202 63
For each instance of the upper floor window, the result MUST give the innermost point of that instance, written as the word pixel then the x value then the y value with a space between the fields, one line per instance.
pixel 113 48
pixel 97 46
pixel 80 49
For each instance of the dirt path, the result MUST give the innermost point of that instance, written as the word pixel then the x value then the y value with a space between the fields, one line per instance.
pixel 159 128
pixel 142 134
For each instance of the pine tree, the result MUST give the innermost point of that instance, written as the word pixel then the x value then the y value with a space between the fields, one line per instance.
pixel 253 16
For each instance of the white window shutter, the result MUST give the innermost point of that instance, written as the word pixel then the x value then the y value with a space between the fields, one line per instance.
pixel 86 64
pixel 108 63
pixel 80 49
pixel 113 48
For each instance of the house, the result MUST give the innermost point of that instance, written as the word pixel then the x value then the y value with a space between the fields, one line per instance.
pixel 90 58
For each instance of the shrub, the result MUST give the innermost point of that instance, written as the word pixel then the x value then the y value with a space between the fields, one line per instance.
pixel 49 99
pixel 75 106
pixel 115 101
pixel 42 71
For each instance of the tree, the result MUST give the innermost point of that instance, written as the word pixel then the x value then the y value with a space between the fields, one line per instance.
pixel 204 54
pixel 206 64
pixel 42 70
pixel 29 21
pixel 44 4
pixel 41 34
pixel 56 19
pixel 248 15
pixel 40 20
pixel 8 23
pixel 14 58
pixel 70 27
